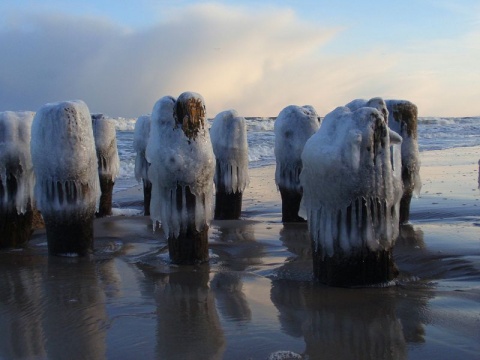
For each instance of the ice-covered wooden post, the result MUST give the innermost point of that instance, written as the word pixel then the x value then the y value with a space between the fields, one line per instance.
pixel 181 171
pixel 140 140
pixel 352 189
pixel 67 184
pixel 108 161
pixel 16 178
pixel 402 119
pixel 293 127
pixel 229 140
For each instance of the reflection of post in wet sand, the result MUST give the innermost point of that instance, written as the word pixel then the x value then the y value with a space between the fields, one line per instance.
pixel 75 320
pixel 232 302
pixel 340 323
pixel 235 245
pixel 188 323
pixel 21 308
pixel 297 239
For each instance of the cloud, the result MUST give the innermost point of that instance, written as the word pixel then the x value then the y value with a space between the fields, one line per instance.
pixel 256 62
pixel 214 50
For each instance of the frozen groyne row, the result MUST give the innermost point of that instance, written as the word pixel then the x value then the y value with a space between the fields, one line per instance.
pixel 355 171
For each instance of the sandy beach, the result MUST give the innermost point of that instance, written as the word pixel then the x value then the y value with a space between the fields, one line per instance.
pixel 256 298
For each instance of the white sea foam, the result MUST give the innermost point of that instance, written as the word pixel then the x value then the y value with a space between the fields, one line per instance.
pixel 433 134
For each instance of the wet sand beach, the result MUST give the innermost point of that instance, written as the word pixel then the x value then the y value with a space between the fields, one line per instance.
pixel 256 298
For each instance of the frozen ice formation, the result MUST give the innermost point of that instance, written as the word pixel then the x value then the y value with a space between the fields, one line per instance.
pixel 229 141
pixel 293 127
pixel 351 180
pixel 64 158
pixel 140 140
pixel 15 160
pixel 181 156
pixel 401 117
pixel 106 146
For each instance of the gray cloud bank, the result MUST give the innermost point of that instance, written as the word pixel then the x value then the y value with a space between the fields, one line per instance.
pixel 256 63
pixel 212 50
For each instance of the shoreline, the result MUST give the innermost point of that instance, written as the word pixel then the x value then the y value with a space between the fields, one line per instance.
pixel 256 296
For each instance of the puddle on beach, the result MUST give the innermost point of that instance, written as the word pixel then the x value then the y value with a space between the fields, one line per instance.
pixel 255 299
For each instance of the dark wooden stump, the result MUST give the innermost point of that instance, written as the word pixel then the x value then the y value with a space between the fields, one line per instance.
pixel 191 245
pixel 290 205
pixel 361 267
pixel 147 196
pixel 105 205
pixel 69 233
pixel 15 229
pixel 228 206
pixel 404 216
pixel 404 121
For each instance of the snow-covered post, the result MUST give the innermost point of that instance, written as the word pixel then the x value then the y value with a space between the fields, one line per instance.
pixel 181 171
pixel 16 178
pixel 140 140
pixel 402 119
pixel 108 161
pixel 293 127
pixel 67 184
pixel 229 140
pixel 352 189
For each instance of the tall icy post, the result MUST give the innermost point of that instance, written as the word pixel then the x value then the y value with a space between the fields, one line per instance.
pixel 108 161
pixel 293 127
pixel 230 146
pixel 181 171
pixel 67 184
pixel 352 188
pixel 140 140
pixel 402 119
pixel 16 178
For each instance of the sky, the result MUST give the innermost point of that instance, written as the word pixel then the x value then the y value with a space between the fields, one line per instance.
pixel 256 57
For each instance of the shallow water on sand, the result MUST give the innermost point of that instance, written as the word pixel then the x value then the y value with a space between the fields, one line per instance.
pixel 255 297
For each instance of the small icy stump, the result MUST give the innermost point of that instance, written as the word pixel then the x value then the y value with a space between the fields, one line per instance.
pixel 16 179
pixel 352 188
pixel 105 137
pixel 140 140
pixel 294 125
pixel 403 120
pixel 230 146
pixel 67 182
pixel 181 170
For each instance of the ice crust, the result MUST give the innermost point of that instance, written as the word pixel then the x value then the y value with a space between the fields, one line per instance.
pixel 175 161
pixel 230 146
pixel 105 136
pixel 410 152
pixel 64 158
pixel 15 159
pixel 140 140
pixel 351 182
pixel 293 127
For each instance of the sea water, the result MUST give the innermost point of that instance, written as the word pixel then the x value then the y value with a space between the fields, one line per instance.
pixel 434 133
